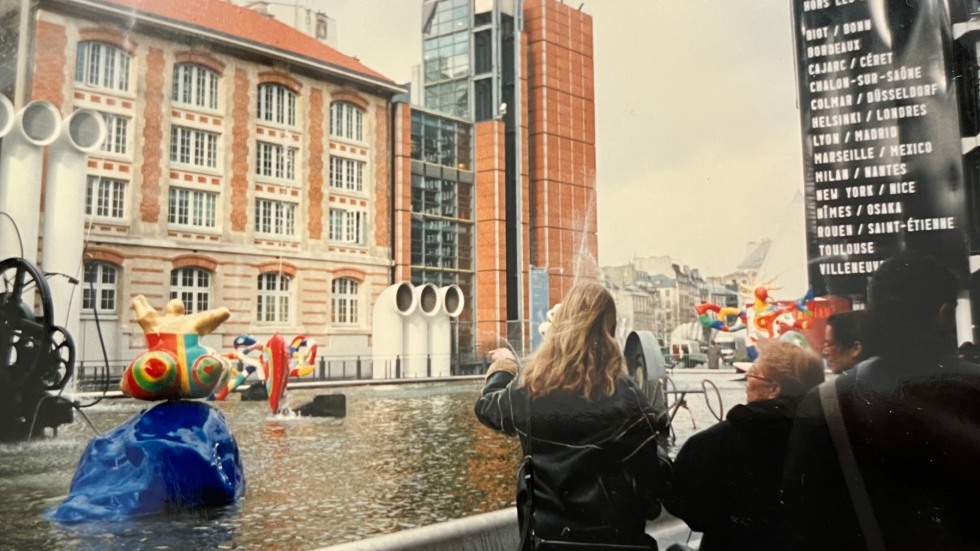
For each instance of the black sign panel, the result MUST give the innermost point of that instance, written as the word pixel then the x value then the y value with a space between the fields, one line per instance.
pixel 881 137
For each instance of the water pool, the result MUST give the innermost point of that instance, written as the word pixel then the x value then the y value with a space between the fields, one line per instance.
pixel 405 456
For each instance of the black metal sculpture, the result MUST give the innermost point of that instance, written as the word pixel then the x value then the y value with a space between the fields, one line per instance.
pixel 36 356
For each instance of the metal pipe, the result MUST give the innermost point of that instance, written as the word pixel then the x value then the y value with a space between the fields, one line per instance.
pixel 64 214
pixel 417 330
pixel 393 305
pixel 35 126
pixel 440 329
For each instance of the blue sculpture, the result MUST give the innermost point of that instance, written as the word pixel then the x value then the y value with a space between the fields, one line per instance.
pixel 176 455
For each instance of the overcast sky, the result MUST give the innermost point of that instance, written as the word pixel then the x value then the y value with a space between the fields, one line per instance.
pixel 697 130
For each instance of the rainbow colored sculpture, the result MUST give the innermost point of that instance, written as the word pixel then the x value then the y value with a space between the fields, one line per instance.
pixel 176 455
pixel 275 360
pixel 176 364
pixel 302 353
pixel 275 364
pixel 763 318
pixel 244 345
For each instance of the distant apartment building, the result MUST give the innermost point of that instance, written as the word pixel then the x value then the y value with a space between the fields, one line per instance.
pixel 246 166
pixel 638 306
pixel 722 291
pixel 522 72
pixel 674 290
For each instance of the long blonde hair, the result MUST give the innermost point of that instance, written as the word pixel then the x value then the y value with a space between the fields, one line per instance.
pixel 580 353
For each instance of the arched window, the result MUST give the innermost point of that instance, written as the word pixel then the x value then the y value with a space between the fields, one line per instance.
pixel 344 302
pixel 193 287
pixel 195 85
pixel 102 65
pixel 277 104
pixel 346 121
pixel 100 291
pixel 273 298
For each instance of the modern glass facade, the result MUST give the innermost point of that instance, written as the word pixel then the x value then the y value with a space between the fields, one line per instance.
pixel 446 56
pixel 442 202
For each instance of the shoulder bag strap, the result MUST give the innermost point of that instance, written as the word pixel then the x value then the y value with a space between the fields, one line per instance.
pixel 849 466
pixel 527 531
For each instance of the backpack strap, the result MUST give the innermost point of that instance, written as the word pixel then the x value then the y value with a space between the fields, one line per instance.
pixel 848 464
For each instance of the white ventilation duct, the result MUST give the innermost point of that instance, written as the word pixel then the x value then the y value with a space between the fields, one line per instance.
pixel 7 116
pixel 64 214
pixel 416 356
pixel 36 125
pixel 393 305
pixel 440 329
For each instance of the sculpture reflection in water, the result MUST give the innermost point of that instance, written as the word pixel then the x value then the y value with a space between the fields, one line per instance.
pixel 177 455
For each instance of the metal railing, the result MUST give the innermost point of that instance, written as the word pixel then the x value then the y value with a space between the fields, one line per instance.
pixel 96 375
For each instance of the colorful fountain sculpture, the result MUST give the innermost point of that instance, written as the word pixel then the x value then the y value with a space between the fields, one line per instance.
pixel 275 364
pixel 763 318
pixel 176 455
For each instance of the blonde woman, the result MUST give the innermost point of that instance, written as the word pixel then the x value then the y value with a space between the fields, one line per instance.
pixel 727 477
pixel 593 472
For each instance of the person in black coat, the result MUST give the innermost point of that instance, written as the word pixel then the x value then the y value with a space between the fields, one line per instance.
pixel 589 434
pixel 727 478
pixel 912 414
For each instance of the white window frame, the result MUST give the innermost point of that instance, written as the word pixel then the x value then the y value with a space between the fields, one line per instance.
pixel 346 121
pixel 116 134
pixel 105 198
pixel 195 85
pixel 273 298
pixel 102 65
pixel 347 174
pixel 193 147
pixel 104 278
pixel 274 217
pixel 344 302
pixel 192 208
pixel 276 104
pixel 347 226
pixel 193 287
pixel 276 161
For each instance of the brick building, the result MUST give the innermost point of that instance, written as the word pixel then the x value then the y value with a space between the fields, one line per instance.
pixel 522 72
pixel 247 165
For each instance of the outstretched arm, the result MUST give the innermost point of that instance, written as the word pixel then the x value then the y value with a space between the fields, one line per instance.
pixel 494 408
pixel 146 315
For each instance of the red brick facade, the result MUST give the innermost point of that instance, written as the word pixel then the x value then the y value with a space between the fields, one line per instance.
pixel 562 143
pixel 491 234
pixel 144 245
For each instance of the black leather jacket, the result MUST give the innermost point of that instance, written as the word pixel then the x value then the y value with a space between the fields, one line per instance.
pixel 598 472
pixel 914 425
pixel 727 477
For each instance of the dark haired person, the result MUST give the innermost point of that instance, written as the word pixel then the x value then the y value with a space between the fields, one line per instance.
pixel 911 415
pixel 596 471
pixel 843 346
pixel 727 477
pixel 969 352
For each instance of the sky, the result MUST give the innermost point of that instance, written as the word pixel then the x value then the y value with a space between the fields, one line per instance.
pixel 698 140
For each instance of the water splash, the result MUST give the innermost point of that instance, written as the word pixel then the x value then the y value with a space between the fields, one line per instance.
pixel 586 264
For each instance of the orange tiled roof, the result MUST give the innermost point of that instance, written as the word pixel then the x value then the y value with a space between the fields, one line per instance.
pixel 226 18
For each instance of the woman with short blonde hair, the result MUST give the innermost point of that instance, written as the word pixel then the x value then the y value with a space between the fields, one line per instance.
pixel 727 478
